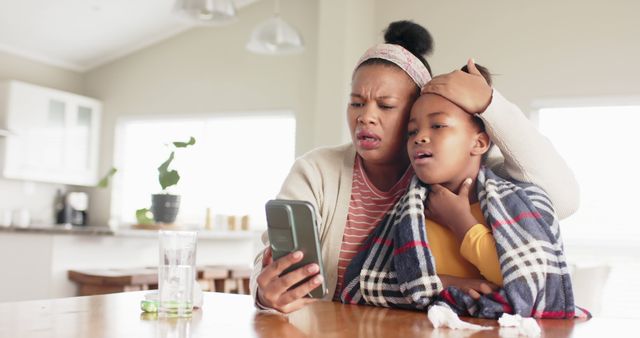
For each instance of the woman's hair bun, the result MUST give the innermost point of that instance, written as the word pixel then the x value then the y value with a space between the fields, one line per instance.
pixel 409 35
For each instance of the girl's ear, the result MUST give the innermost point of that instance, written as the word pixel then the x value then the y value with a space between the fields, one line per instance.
pixel 481 144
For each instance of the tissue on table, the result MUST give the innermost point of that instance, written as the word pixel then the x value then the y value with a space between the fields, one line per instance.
pixel 510 325
pixel 524 326
pixel 443 316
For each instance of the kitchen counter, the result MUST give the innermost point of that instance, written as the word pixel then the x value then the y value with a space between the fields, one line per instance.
pixel 36 259
pixel 61 229
pixel 127 232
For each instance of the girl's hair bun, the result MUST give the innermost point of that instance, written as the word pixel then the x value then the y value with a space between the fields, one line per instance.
pixel 409 35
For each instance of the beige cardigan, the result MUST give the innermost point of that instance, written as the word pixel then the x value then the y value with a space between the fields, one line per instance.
pixel 323 177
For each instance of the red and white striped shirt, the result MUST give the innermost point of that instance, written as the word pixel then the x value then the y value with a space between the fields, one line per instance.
pixel 367 208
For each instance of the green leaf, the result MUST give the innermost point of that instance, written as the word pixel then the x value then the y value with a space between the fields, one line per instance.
pixel 191 142
pixel 104 182
pixel 167 177
pixel 144 216
pixel 165 165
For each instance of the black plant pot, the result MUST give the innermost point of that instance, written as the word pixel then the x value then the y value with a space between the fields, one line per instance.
pixel 165 207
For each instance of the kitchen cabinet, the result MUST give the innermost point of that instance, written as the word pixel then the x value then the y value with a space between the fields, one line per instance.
pixel 53 135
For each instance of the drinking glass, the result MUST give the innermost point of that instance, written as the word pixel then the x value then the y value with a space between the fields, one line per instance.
pixel 176 273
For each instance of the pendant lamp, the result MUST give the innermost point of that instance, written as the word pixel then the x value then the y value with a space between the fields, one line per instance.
pixel 275 37
pixel 207 12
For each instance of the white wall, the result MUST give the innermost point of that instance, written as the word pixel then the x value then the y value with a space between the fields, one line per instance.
pixel 13 67
pixel 207 70
pixel 540 49
pixel 345 31
pixel 38 198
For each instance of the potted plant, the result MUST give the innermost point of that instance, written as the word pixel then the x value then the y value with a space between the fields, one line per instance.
pixel 165 206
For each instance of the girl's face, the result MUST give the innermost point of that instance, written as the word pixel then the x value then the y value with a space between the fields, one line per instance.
pixel 381 98
pixel 444 144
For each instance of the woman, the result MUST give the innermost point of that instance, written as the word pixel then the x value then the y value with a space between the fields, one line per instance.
pixel 352 186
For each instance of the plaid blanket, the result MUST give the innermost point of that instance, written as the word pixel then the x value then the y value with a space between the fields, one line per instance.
pixel 395 268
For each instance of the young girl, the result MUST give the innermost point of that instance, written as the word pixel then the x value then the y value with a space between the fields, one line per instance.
pixel 353 186
pixel 503 230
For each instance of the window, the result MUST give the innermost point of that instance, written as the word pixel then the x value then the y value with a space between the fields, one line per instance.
pixel 238 163
pixel 600 144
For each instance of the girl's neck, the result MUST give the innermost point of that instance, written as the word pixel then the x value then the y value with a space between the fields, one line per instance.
pixel 454 185
pixel 385 175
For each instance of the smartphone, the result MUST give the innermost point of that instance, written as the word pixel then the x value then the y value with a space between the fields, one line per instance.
pixel 292 226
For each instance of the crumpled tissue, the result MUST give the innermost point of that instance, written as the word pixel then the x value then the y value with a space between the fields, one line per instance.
pixel 510 325
pixel 515 325
pixel 442 316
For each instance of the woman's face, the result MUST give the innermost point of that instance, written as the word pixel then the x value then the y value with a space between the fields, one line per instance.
pixel 381 98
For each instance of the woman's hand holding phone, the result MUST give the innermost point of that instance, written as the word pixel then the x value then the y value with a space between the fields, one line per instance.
pixel 274 289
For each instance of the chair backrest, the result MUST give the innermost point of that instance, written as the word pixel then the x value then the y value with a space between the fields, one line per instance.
pixel 588 286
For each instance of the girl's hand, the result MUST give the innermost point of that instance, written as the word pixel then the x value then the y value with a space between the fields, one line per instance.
pixel 274 291
pixel 474 287
pixel 470 91
pixel 451 210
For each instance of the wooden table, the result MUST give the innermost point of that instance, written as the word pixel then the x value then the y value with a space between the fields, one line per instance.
pixel 227 315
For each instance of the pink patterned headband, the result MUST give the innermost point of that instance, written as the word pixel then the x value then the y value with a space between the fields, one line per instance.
pixel 402 58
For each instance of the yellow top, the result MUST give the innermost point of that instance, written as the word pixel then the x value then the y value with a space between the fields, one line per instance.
pixel 475 257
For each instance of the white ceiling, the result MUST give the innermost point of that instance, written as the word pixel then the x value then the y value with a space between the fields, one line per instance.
pixel 83 34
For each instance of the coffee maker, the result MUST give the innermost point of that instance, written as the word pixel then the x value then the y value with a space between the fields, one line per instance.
pixel 71 208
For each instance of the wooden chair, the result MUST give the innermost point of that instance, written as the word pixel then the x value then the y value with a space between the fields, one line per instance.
pixel 241 275
pixel 213 278
pixel 102 281
pixel 236 278
pixel 218 278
